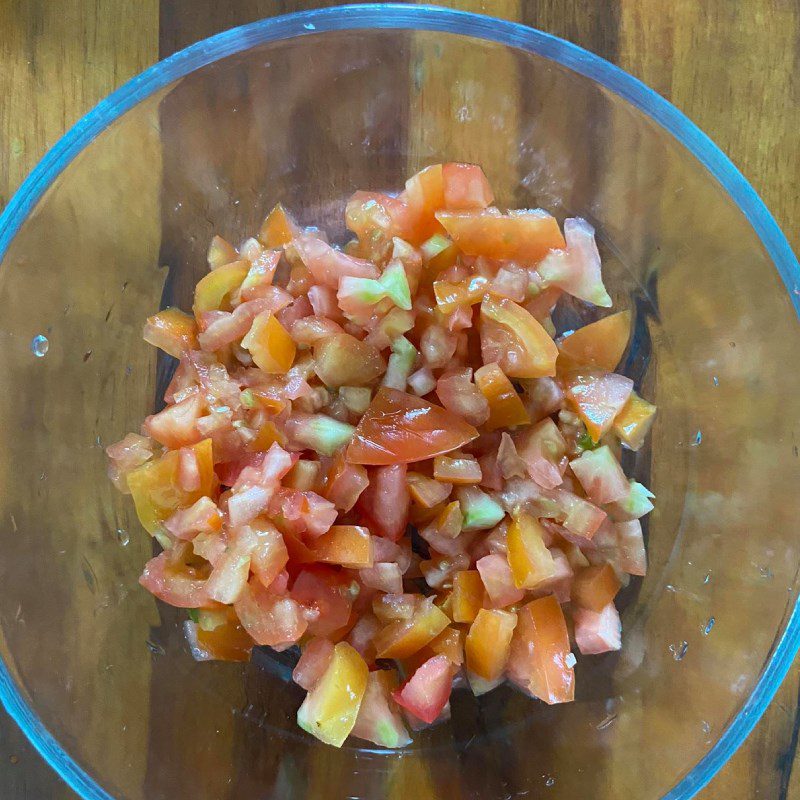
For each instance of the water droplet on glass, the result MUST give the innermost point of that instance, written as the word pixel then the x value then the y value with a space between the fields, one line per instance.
pixel 715 380
pixel 40 345
pixel 123 537
pixel 309 26
pixel 766 573
pixel 550 781
pixel 155 649
pixel 698 438
pixel 609 720
pixel 707 577
pixel 570 660
pixel 709 626
pixel 706 727
pixel 679 650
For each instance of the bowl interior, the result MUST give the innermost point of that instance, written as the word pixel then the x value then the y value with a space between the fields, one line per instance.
pixel 307 120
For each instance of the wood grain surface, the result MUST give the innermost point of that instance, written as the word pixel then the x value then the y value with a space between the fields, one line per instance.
pixel 733 67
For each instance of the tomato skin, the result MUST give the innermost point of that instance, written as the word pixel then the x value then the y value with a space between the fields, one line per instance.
pixel 400 428
pixel 539 648
pixel 458 394
pixel 524 236
pixel 227 642
pixel 404 637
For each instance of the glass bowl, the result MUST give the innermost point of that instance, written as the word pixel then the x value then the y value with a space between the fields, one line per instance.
pixel 114 223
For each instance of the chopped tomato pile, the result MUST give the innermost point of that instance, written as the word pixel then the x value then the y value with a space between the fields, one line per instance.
pixel 385 455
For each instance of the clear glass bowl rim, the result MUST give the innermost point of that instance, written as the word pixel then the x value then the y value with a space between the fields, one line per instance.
pixel 428 18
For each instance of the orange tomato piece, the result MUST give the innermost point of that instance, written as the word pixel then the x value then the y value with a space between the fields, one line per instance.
pixel 467 596
pixel 516 236
pixel 345 482
pixel 427 492
pixel 489 641
pixel 514 339
pixel 172 330
pixel 450 643
pixel 451 295
pixel 267 435
pixel 633 423
pixel 438 253
pixel 597 398
pixel 213 291
pixel 595 587
pixel 459 470
pixel 403 638
pixel 348 545
pixel 505 406
pixel 539 648
pixel 599 344
pixel 227 642
pixel 343 360
pixel 450 520
pixel 271 347
pixel 424 196
pixel 278 228
pixel 465 187
pixel 399 428
pixel 156 490
pixel 221 252
pixel 330 709
pixel 530 561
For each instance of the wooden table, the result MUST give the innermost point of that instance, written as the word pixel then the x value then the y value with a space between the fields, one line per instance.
pixel 731 66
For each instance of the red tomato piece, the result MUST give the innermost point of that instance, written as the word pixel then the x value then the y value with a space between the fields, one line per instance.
pixel 597 398
pixel 601 475
pixel 458 394
pixel 328 596
pixel 595 587
pixel 176 425
pixel 327 265
pixel 378 720
pixel 169 578
pixel 386 501
pixel 399 428
pixel 465 187
pixel 427 691
pixel 313 661
pixel 599 344
pixel 172 330
pixel 499 581
pixel 539 648
pixel 201 517
pixel 543 451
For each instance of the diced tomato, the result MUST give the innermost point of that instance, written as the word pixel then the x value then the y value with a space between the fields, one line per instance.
pixel 513 339
pixel 224 329
pixel 304 476
pixel 597 398
pixel 269 555
pixel 327 265
pixel 560 584
pixel 437 346
pixel 505 407
pixel 599 344
pixel 543 450
pixel 202 516
pixel 424 196
pixel 510 282
pixel 492 475
pixel 383 577
pixel 543 396
pixel 330 709
pixel 498 580
pixel 362 636
pixel 389 607
pixel 539 648
pixel 255 485
pixel 597 631
pixel 269 344
pixel 465 187
pixel 345 482
pixel 378 719
pixel 172 330
pixel 595 587
pixel 386 500
pixel 530 561
pixel 313 662
pixel 155 486
pixel 343 360
pixel 221 252
pixel 634 421
pixel 278 228
pixel 126 455
pixel 600 475
pixel 399 428
pixel 169 578
pixel 176 425
pixel 327 594
pixel 227 642
pixel 457 470
pixel 632 554
pixel 427 691
pixel 403 638
pixel 258 283
pixel 438 254
pixel 517 236
pixel 450 643
pixel 576 270
pixel 270 619
pixel 451 295
pixel 229 577
pixel 426 491
pixel 310 330
pixel 348 545
pixel 467 598
pixel 458 394
pixel 214 290
pixel 489 642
